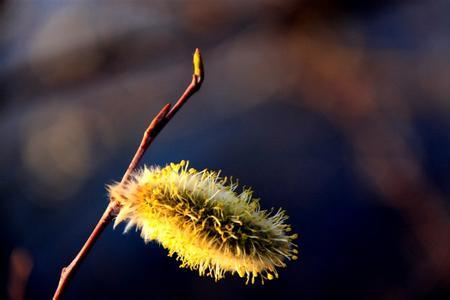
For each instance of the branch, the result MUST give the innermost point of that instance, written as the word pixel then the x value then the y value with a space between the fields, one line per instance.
pixel 155 127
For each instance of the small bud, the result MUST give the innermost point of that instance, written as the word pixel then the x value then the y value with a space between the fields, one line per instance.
pixel 198 64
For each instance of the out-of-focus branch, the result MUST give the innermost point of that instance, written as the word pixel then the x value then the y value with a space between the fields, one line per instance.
pixel 21 264
pixel 155 127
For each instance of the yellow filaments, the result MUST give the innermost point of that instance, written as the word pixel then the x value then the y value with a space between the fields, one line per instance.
pixel 198 216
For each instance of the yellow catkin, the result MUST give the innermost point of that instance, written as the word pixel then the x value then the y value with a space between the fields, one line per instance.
pixel 200 217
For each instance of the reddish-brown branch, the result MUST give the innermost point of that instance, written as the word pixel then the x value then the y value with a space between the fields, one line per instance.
pixel 155 127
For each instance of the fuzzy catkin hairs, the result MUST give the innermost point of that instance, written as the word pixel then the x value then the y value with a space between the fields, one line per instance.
pixel 200 217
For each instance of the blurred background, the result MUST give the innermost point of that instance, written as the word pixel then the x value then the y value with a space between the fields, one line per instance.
pixel 337 111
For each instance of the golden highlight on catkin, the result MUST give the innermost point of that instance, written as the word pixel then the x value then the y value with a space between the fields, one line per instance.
pixel 200 217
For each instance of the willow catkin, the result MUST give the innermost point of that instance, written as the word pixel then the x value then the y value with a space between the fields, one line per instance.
pixel 200 217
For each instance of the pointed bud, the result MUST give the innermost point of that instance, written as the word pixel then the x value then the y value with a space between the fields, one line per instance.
pixel 198 63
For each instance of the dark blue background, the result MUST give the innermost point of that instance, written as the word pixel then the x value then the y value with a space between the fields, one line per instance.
pixel 337 111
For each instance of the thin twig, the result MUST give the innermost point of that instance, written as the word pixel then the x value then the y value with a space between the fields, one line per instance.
pixel 147 139
pixel 155 127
